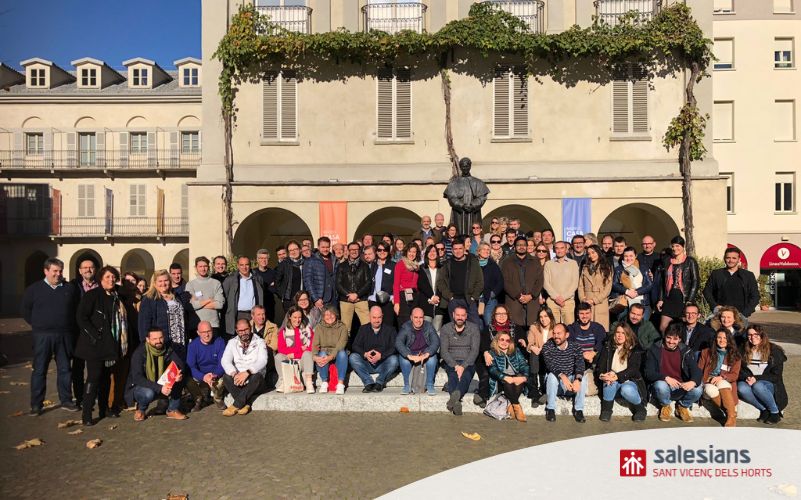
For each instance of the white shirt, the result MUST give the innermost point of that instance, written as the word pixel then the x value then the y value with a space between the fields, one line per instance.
pixel 253 359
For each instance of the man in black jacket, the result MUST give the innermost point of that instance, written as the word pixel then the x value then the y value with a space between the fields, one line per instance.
pixel 383 275
pixel 732 286
pixel 374 352
pixel 267 274
pixel 697 336
pixel 673 374
pixel 242 290
pixel 461 282
pixel 353 286
pixel 82 284
pixel 150 360
pixel 289 275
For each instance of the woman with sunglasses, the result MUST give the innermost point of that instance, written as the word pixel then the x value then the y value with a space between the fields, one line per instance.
pixel 761 380
pixel 496 250
pixel 499 323
pixel 493 229
pixel 508 373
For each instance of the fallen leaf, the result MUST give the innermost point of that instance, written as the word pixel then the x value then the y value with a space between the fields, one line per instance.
pixel 75 432
pixel 475 436
pixel 18 383
pixel 17 414
pixel 47 403
pixel 94 443
pixel 112 427
pixel 5 392
pixel 68 423
pixel 30 443
pixel 404 409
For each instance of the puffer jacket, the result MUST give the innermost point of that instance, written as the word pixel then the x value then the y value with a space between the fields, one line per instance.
pixel 498 366
pixel 690 279
pixel 354 277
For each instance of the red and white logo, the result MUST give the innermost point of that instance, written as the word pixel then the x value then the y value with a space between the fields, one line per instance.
pixel 783 253
pixel 632 463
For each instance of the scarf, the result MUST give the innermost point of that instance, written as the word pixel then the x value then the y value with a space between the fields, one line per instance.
pixel 678 277
pixel 154 362
pixel 119 327
pixel 483 262
pixel 305 336
pixel 501 328
pixel 410 266
pixel 591 268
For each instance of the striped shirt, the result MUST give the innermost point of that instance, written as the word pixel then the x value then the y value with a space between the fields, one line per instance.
pixel 568 361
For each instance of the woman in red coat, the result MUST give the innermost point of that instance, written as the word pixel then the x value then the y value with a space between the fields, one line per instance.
pixel 404 288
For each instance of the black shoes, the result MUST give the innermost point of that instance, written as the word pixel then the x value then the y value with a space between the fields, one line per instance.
pixel 579 416
pixel 479 401
pixel 640 412
pixel 773 419
pixel 70 406
pixel 35 412
pixel 606 410
pixel 550 415
pixel 373 388
pixel 763 416
pixel 88 423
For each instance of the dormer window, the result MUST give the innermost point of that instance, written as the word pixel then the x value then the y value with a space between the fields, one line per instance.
pixel 38 77
pixel 88 77
pixel 190 77
pixel 140 77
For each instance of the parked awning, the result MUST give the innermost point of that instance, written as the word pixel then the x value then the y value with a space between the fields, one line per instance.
pixel 781 256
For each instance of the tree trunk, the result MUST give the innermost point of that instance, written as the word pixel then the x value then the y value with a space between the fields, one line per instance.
pixel 685 165
pixel 446 94
pixel 228 190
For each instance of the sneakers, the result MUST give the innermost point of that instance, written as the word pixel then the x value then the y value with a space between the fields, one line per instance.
pixel 431 391
pixel 310 388
pixel 405 391
pixel 664 413
pixel 340 388
pixel 550 415
pixel 230 411
pixel 70 407
pixel 35 412
pixel 244 410
pixel 683 413
pixel 578 415
pixel 323 388
pixel 175 415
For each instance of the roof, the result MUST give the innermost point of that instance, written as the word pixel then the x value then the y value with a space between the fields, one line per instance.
pixel 9 68
pixel 87 60
pixel 120 88
pixel 33 60
pixel 136 60
pixel 187 60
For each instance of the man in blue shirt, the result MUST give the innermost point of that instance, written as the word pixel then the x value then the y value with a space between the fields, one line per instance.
pixel 203 360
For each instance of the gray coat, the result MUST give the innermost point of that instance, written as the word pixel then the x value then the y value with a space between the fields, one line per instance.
pixel 231 291
pixel 459 348
pixel 403 341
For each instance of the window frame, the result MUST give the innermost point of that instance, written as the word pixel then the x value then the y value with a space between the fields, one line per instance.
pixel 794 118
pixel 780 194
pixel 38 78
pixel 38 149
pixel 733 128
pixel 142 145
pixel 137 200
pixel 89 77
pixel 512 75
pixel 194 141
pixel 629 79
pixel 731 64
pixel 790 11
pixel 279 80
pixel 89 154
pixel 86 203
pixel 777 50
pixel 140 77
pixel 190 77
pixel 729 176
pixel 394 82
pixel 731 10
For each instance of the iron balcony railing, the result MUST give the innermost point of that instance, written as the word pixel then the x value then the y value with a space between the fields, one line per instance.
pixel 25 226
pixel 290 17
pixel 393 17
pixel 530 12
pixel 610 11
pixel 79 227
pixel 121 159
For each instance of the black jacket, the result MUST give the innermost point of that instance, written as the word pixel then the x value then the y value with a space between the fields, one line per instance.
pixel 427 290
pixel 690 279
pixel 703 337
pixel 383 342
pixel 737 290
pixel 773 373
pixel 474 280
pixel 354 278
pixel 493 281
pixel 137 375
pixel 689 365
pixel 283 279
pixel 95 316
pixel 603 364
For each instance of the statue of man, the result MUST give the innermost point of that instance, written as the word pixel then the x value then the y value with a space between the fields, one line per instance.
pixel 466 195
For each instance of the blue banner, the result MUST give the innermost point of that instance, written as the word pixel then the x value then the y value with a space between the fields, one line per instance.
pixel 575 217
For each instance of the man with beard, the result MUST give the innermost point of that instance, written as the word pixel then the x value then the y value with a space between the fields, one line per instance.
pixel 353 286
pixel 244 363
pixel 459 343
pixel 522 281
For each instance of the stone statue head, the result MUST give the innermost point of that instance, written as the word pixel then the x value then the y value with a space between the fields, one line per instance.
pixel 464 165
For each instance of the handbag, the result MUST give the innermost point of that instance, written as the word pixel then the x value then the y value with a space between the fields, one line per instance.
pixel 497 407
pixel 290 377
pixel 418 378
pixel 618 304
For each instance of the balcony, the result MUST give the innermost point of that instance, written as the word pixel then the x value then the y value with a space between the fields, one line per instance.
pixel 394 17
pixel 610 11
pixel 530 12
pixel 295 18
pixel 100 160
pixel 24 227
pixel 120 227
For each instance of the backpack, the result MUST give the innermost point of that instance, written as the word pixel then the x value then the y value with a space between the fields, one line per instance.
pixel 497 407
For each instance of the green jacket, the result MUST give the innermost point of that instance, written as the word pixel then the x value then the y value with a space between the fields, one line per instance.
pixel 645 331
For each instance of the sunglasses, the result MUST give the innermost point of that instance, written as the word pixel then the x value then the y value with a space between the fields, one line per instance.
pixel 382 250
pixel 495 241
pixel 542 251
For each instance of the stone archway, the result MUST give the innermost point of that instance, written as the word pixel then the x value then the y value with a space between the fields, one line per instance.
pixel 182 257
pixel 138 261
pixel 268 228
pixel 530 219
pixel 635 220
pixel 80 256
pixel 401 222
pixel 34 266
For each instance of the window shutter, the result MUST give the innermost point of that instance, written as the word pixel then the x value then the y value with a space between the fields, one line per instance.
pixel 100 146
pixel 384 104
pixel 152 159
pixel 124 149
pixel 19 148
pixel 174 148
pixel 403 104
pixel 47 144
pixel 724 51
pixel 723 121
pixel 270 108
pixel 289 88
pixel 72 149
pixel 520 112
pixel 501 104
pixel 639 101
pixel 620 106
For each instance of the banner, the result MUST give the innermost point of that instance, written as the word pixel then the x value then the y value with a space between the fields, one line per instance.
pixel 334 221
pixel 576 217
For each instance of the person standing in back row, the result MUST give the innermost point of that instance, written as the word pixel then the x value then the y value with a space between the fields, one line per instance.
pixel 561 278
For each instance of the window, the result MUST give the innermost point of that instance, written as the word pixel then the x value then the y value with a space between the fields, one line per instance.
pixel 38 77
pixel 785 191
pixel 630 102
pixel 190 77
pixel 784 121
pixel 724 52
pixel 138 142
pixel 137 200
pixel 89 77
pixel 510 98
pixel 34 143
pixel 783 53
pixel 87 148
pixel 783 6
pixel 723 125
pixel 723 6
pixel 279 120
pixel 140 77
pixel 190 142
pixel 394 105
pixel 729 191
pixel 86 200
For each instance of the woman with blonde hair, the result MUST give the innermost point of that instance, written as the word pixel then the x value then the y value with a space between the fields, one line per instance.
pixel 729 319
pixel 508 373
pixel 161 308
pixel 761 380
pixel 720 364
pixel 618 370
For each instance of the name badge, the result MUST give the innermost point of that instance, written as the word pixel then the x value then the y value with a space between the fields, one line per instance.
pixel 387 271
pixel 198 293
pixel 724 367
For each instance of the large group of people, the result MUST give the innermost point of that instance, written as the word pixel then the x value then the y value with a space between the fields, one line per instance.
pixel 527 315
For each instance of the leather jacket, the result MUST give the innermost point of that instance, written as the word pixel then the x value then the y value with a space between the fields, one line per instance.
pixel 354 278
pixel 690 278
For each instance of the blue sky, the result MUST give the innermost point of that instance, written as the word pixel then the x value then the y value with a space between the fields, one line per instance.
pixel 111 30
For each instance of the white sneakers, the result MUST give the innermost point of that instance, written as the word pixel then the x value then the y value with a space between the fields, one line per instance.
pixel 340 388
pixel 323 388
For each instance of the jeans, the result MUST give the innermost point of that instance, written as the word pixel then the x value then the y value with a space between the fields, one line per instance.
pixel 470 305
pixel 364 368
pixel 431 370
pixel 460 384
pixel 340 361
pixel 489 308
pixel 145 395
pixel 664 394
pixel 761 395
pixel 45 347
pixel 627 390
pixel 554 387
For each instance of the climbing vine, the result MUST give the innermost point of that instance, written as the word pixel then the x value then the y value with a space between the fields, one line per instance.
pixel 672 42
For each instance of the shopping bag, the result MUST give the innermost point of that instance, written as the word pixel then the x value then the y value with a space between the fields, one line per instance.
pixel 290 377
pixel 418 378
pixel 333 377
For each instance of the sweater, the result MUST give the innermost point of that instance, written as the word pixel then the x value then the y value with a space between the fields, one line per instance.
pixel 254 359
pixel 459 349
pixel 202 289
pixel 568 361
pixel 591 339
pixel 329 338
pixel 48 309
pixel 205 358
pixel 738 289
pixel 560 278
pixel 689 367
pixel 367 340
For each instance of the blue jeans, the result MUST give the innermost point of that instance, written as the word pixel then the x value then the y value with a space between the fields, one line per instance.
pixel 664 394
pixel 431 371
pixel 489 308
pixel 340 361
pixel 45 347
pixel 144 396
pixel 627 390
pixel 472 310
pixel 460 384
pixel 364 368
pixel 554 388
pixel 761 395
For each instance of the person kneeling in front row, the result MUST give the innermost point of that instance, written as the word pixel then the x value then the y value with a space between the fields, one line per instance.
pixel 148 363
pixel 674 375
pixel 618 371
pixel 720 365
pixel 244 363
pixel 761 383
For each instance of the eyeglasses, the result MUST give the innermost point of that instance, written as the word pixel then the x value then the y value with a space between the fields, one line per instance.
pixel 208 331
pixel 690 314
pixel 440 249
pixel 476 227
pixel 754 334
pixel 503 341
pixel 494 222
pixel 501 314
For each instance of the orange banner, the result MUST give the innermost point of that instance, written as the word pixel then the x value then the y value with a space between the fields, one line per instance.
pixel 334 221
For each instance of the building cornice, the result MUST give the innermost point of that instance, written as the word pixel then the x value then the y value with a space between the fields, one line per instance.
pixel 87 99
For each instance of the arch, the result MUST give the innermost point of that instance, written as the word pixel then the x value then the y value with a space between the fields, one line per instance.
pixel 530 219
pixel 635 220
pixel 399 221
pixel 85 122
pixel 80 256
pixel 182 257
pixel 33 122
pixel 189 121
pixel 136 121
pixel 34 265
pixel 138 261
pixel 268 228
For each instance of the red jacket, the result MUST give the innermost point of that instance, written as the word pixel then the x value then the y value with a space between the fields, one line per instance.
pixel 403 279
pixel 296 349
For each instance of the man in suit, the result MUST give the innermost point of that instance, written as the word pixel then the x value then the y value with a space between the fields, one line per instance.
pixel 697 336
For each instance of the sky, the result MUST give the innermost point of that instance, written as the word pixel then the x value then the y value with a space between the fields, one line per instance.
pixel 111 30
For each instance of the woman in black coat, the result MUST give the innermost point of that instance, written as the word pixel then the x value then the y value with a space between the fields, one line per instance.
pixel 102 341
pixel 429 298
pixel 617 371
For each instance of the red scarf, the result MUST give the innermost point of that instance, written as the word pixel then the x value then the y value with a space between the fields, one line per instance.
pixel 505 327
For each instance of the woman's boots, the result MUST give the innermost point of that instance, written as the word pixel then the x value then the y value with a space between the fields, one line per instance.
pixel 726 399
pixel 518 412
pixel 606 410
